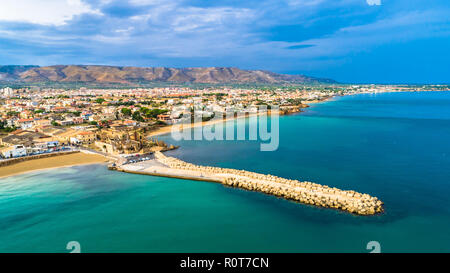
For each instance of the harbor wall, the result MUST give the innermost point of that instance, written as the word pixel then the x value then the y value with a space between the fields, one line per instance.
pixel 302 192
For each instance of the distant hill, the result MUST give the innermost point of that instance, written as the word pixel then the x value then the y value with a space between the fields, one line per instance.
pixel 12 72
pixel 126 75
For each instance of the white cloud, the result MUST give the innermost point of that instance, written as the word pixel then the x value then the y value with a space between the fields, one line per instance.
pixel 149 2
pixel 124 30
pixel 305 2
pixel 400 27
pixel 193 18
pixel 43 12
pixel 374 2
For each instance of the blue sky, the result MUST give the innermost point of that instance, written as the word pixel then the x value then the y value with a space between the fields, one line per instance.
pixel 371 41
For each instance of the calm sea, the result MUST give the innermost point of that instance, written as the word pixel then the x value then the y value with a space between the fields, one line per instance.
pixel 395 146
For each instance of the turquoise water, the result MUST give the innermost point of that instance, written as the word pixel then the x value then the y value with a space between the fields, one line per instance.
pixel 394 146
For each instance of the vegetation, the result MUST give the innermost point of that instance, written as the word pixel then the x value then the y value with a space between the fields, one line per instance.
pixel 126 112
pixel 12 113
pixel 127 103
pixel 137 116
pixel 6 129
pixel 152 113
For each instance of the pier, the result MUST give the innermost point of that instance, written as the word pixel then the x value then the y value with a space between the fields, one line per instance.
pixel 303 192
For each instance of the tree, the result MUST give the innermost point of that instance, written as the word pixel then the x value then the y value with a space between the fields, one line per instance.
pixel 137 116
pixel 5 128
pixel 12 113
pixel 100 100
pixel 153 113
pixel 126 112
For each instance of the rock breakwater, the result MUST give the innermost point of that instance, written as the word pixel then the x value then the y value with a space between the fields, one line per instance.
pixel 303 192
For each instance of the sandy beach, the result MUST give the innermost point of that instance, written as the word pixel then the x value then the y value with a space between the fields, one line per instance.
pixel 167 129
pixel 51 162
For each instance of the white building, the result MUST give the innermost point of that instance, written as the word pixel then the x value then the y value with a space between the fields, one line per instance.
pixel 24 123
pixel 7 92
pixel 75 141
pixel 14 151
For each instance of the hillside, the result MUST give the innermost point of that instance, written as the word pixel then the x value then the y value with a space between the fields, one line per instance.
pixel 124 75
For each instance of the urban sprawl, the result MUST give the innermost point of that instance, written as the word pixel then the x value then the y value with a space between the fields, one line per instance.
pixel 119 121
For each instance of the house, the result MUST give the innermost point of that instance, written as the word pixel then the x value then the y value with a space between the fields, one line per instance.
pixel 24 123
pixel 59 109
pixel 11 122
pixel 75 141
pixel 52 144
pixel 78 120
pixel 66 122
pixel 86 115
pixel 42 122
pixel 26 114
pixel 38 148
pixel 129 122
pixel 86 137
pixel 63 136
pixel 165 118
pixel 14 151
pixel 44 146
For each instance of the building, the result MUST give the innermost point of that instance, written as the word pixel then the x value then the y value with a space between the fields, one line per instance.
pixel 22 137
pixel 165 118
pixel 86 115
pixel 86 137
pixel 122 140
pixel 7 92
pixel 14 151
pixel 24 123
pixel 42 122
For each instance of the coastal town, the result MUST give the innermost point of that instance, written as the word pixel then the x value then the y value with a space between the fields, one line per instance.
pixel 119 121
pixel 119 126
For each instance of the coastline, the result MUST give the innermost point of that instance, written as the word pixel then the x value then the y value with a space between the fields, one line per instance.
pixel 90 158
pixel 182 206
pixel 167 129
pixel 54 162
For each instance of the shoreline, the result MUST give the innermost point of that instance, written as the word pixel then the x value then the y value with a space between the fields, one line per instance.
pixel 168 129
pixel 160 131
pixel 54 162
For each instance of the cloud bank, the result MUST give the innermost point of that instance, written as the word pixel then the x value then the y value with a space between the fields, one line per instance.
pixel 326 38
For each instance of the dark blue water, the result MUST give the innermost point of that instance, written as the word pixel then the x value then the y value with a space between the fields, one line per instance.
pixel 394 146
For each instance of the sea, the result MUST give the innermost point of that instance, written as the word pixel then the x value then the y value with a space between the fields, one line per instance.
pixel 395 146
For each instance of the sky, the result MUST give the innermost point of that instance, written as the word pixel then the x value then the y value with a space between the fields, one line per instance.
pixel 351 41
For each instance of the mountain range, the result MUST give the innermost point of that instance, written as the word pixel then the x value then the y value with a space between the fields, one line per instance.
pixel 127 75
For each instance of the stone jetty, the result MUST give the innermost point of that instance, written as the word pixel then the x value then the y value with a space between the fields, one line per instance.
pixel 303 192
